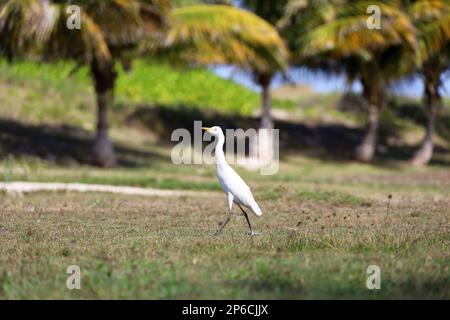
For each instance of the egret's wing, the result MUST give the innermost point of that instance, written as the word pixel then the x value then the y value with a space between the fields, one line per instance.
pixel 233 183
pixel 234 180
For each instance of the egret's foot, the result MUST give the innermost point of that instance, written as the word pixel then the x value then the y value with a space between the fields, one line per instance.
pixel 217 233
pixel 253 233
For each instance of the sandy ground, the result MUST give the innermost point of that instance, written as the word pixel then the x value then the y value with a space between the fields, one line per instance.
pixel 26 187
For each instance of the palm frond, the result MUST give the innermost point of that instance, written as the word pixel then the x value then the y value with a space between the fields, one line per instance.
pixel 348 35
pixel 21 23
pixel 85 44
pixel 217 34
pixel 107 27
pixel 432 18
pixel 124 22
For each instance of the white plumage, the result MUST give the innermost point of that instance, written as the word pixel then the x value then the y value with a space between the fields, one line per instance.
pixel 232 184
pixel 236 189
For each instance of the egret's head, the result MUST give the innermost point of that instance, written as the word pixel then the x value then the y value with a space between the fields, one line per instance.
pixel 216 131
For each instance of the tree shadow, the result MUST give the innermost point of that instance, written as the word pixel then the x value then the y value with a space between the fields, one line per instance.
pixel 414 112
pixel 403 153
pixel 61 144
pixel 67 145
pixel 327 142
pixel 334 141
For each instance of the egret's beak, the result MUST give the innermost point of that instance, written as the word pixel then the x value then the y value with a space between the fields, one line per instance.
pixel 206 129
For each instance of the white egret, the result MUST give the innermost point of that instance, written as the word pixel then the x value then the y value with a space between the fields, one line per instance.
pixel 232 184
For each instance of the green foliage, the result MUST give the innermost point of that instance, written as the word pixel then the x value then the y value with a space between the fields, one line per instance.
pixel 432 19
pixel 345 33
pixel 219 34
pixel 44 25
pixel 163 84
pixel 147 83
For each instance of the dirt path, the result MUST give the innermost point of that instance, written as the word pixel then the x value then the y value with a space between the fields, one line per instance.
pixel 25 187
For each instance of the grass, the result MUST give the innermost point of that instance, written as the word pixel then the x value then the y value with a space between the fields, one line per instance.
pixel 324 221
pixel 323 224
pixel 335 198
pixel 67 97
pixel 318 245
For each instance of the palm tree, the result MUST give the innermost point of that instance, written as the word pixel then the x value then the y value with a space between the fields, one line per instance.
pixel 222 34
pixel 432 19
pixel 21 23
pixel 204 34
pixel 109 29
pixel 272 12
pixel 341 40
pixel 219 34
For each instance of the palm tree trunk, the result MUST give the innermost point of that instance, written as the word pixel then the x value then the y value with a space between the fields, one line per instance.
pixel 266 115
pixel 104 81
pixel 432 100
pixel 366 149
pixel 261 147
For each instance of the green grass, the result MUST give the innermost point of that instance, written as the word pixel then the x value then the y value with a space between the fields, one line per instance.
pixel 161 248
pixel 323 223
pixel 49 92
pixel 332 197
pixel 162 84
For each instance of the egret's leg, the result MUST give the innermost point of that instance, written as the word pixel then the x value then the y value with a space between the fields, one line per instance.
pixel 230 208
pixel 224 223
pixel 248 221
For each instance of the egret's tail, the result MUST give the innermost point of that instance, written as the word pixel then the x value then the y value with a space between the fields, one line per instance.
pixel 256 210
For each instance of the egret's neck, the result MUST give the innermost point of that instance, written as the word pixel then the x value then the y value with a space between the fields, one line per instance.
pixel 220 156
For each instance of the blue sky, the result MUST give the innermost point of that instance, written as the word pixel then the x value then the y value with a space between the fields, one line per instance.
pixel 324 84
